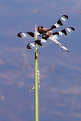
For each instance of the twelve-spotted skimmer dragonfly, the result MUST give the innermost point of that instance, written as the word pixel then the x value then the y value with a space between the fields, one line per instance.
pixel 47 33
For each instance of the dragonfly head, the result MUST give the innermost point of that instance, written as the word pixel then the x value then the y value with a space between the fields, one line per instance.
pixel 40 28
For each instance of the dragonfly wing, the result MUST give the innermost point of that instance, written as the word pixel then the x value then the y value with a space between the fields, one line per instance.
pixel 59 44
pixel 63 33
pixel 60 22
pixel 30 45
pixel 41 43
pixel 25 34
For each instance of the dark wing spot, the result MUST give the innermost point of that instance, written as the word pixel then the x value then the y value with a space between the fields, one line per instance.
pixel 19 35
pixel 59 22
pixel 64 31
pixel 28 46
pixel 38 42
pixel 73 28
pixel 52 27
pixel 31 34
pixel 65 16
pixel 55 33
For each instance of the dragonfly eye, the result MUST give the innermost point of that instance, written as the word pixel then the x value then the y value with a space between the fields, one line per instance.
pixel 40 28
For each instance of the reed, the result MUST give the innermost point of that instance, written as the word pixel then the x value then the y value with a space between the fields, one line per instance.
pixel 36 81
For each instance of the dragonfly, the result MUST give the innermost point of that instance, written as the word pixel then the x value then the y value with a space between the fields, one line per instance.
pixel 48 34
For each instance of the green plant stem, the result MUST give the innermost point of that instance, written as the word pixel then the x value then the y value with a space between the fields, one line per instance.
pixel 36 82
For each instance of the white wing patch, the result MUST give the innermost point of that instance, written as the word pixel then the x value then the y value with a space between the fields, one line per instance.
pixel 69 29
pixel 23 35
pixel 57 25
pixel 63 18
pixel 32 44
pixel 60 33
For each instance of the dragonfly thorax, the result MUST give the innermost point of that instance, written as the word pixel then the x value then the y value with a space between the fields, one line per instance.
pixel 42 30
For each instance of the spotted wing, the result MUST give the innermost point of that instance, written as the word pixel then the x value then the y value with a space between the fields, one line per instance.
pixel 60 22
pixel 41 43
pixel 25 34
pixel 63 33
